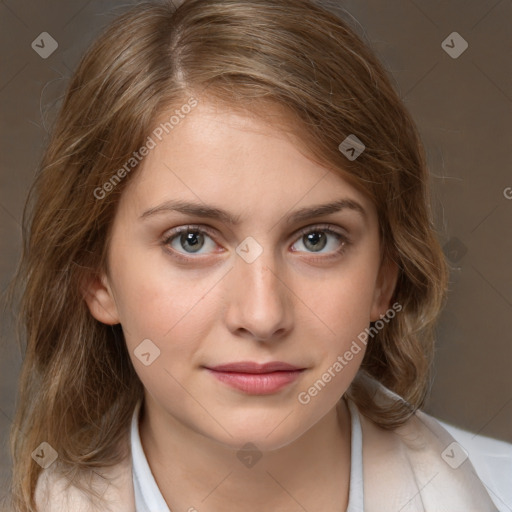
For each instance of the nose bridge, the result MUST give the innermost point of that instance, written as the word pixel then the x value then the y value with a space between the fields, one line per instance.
pixel 255 263
pixel 259 280
pixel 259 302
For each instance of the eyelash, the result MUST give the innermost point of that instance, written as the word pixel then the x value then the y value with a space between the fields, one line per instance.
pixel 323 228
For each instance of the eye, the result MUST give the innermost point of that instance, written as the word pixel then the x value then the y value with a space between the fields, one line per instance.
pixel 190 240
pixel 317 238
pixel 187 241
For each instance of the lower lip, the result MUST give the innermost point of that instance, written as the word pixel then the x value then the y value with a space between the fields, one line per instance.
pixel 257 383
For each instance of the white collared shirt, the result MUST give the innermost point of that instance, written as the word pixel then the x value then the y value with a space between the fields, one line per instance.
pixel 148 497
pixel 491 458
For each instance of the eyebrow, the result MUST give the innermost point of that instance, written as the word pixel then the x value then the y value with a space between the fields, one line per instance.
pixel 203 210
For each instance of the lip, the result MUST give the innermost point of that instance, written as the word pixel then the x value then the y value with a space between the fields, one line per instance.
pixel 255 378
pixel 252 367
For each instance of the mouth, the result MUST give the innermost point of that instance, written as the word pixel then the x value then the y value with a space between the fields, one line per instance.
pixel 256 379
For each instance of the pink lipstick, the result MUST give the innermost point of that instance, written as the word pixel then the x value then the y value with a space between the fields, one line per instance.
pixel 254 378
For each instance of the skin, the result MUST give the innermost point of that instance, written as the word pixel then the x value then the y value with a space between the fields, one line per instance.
pixel 297 302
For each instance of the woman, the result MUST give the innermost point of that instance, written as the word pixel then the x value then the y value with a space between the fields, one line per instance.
pixel 231 277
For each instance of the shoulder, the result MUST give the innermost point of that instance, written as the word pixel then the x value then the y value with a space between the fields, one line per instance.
pixel 418 467
pixel 57 493
pixel 492 460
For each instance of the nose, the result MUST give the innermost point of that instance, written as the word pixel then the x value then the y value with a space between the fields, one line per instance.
pixel 259 302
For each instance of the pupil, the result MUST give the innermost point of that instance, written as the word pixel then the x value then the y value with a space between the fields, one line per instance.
pixel 317 240
pixel 192 239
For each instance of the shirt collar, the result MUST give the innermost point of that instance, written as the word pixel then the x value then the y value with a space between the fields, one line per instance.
pixel 148 497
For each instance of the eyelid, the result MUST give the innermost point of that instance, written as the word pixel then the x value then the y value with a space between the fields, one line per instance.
pixel 330 228
pixel 171 233
pixel 343 238
pixel 296 235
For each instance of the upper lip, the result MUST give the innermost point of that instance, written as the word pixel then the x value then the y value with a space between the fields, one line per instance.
pixel 252 367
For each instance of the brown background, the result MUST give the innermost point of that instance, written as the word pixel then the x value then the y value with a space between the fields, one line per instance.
pixel 463 108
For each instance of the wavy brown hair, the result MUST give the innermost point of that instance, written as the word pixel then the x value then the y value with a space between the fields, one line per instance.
pixel 78 388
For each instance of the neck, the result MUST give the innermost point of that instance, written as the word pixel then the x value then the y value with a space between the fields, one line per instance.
pixel 195 472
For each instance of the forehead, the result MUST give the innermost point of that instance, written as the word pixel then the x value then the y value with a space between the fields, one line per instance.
pixel 219 155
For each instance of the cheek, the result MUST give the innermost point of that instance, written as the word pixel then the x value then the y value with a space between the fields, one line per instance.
pixel 176 314
pixel 342 313
pixel 341 304
pixel 167 306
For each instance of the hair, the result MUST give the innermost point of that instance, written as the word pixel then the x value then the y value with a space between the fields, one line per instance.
pixel 78 388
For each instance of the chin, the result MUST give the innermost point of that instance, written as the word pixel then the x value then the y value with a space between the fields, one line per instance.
pixel 263 437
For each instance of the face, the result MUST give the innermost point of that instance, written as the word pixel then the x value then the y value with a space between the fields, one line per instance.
pixel 222 253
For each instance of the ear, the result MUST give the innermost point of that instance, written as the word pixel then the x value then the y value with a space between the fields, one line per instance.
pixel 100 299
pixel 385 286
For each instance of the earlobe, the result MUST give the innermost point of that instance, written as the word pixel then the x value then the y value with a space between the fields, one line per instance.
pixel 386 283
pixel 100 299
